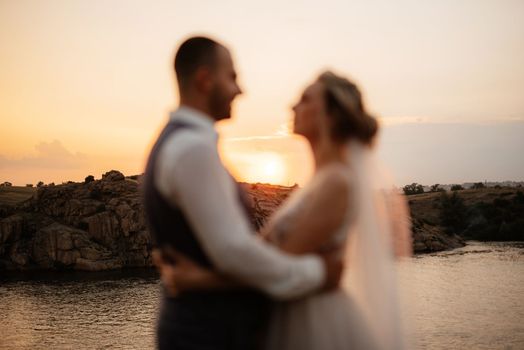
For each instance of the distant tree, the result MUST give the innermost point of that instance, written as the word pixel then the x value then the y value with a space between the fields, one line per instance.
pixel 457 187
pixel 51 184
pixel 29 185
pixel 89 178
pixel 414 188
pixel 478 185
pixel 453 212
pixel 436 188
pixel 519 198
pixel 39 184
pixel 6 184
pixel 498 187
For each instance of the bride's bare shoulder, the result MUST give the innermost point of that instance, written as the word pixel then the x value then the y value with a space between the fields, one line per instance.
pixel 334 178
pixel 323 210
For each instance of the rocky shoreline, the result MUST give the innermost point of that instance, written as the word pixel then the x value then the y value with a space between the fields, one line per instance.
pixel 99 225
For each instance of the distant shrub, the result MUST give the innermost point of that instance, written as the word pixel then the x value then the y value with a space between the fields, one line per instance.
pixel 457 187
pixel 89 178
pixel 29 185
pixel 453 212
pixel 500 220
pixel 414 188
pixel 39 184
pixel 436 188
pixel 519 198
pixel 478 185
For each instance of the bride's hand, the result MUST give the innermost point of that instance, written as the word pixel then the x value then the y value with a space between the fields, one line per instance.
pixel 334 267
pixel 178 273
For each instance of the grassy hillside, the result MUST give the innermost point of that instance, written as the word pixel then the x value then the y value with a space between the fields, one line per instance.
pixel 15 194
pixel 482 214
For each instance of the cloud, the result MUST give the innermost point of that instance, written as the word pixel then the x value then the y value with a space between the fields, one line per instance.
pixel 257 138
pixel 48 155
pixel 388 121
pixel 282 132
pixel 394 121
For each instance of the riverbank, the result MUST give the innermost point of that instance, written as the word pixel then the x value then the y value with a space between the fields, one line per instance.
pixel 99 225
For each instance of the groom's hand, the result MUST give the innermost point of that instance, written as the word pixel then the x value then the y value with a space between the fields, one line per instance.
pixel 334 267
pixel 165 268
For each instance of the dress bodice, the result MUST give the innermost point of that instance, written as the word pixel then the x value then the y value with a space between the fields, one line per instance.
pixel 298 199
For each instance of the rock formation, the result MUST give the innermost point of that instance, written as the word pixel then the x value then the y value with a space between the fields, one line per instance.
pixel 99 225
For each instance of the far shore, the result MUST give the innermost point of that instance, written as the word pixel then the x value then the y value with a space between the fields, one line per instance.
pixel 99 225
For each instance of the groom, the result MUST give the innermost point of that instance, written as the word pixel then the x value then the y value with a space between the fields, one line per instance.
pixel 194 205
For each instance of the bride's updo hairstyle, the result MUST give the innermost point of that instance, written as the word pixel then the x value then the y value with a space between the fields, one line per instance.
pixel 345 108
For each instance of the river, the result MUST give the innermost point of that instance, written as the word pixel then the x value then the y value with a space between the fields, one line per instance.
pixel 472 297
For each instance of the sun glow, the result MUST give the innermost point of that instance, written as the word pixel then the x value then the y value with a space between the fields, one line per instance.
pixel 264 167
pixel 272 167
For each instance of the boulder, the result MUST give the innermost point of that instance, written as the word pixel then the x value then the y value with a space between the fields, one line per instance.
pixel 113 175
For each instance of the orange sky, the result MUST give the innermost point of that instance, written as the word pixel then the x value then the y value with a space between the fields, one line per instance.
pixel 86 85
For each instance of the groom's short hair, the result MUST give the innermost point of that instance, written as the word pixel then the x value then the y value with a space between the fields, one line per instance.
pixel 194 53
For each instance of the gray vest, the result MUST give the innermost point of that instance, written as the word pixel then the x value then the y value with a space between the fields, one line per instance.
pixel 227 317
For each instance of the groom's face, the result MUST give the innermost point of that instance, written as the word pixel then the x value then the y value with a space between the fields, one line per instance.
pixel 225 87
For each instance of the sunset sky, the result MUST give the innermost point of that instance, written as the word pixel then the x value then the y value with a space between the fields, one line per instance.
pixel 85 86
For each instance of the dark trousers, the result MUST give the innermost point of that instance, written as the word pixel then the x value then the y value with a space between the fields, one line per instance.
pixel 212 322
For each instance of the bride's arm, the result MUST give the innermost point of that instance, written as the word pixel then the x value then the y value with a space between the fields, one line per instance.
pixel 319 217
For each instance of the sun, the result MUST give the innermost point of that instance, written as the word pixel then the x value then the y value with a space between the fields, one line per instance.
pixel 263 167
pixel 254 166
pixel 268 167
pixel 271 169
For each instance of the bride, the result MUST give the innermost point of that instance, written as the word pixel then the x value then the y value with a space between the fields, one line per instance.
pixel 349 208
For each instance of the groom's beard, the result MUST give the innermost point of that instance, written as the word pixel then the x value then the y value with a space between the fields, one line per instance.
pixel 219 104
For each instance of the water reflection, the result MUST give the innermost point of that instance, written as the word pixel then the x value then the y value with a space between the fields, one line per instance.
pixel 90 313
pixel 467 298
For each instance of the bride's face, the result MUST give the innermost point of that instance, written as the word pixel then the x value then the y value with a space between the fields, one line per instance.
pixel 309 111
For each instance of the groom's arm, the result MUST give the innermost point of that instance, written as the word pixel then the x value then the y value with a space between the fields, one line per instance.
pixel 197 182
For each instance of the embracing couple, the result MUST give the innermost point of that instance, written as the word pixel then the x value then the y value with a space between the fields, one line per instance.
pixel 226 286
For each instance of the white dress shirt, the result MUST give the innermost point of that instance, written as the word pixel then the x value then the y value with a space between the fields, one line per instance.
pixel 190 175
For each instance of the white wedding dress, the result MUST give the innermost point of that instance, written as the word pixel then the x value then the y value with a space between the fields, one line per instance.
pixel 326 320
pixel 364 313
